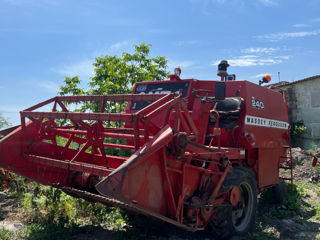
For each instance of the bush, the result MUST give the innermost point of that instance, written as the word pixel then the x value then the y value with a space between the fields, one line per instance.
pixel 297 128
pixel 293 200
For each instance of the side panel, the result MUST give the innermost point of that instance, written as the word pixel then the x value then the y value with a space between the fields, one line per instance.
pixel 268 170
pixel 140 179
pixel 12 157
pixel 266 117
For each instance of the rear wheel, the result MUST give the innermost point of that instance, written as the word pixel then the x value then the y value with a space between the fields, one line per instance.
pixel 239 219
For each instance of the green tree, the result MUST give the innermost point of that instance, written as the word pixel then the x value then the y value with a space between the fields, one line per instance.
pixel 117 75
pixel 3 122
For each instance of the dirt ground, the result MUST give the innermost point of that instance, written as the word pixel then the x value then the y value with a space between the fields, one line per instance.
pixel 303 172
pixel 292 226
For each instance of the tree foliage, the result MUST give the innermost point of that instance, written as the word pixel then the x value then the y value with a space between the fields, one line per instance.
pixel 117 75
pixel 3 122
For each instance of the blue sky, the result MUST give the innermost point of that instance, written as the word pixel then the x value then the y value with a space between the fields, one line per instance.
pixel 41 41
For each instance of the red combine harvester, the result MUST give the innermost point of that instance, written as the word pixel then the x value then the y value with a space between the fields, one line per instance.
pixel 189 152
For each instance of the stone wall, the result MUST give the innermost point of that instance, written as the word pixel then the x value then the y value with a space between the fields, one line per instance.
pixel 304 104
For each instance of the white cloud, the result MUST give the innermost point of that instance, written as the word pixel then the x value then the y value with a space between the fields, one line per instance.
pixel 209 7
pixel 259 50
pixel 11 113
pixel 258 56
pixel 315 20
pixel 121 45
pixel 183 64
pixel 187 43
pixel 254 60
pixel 260 75
pixel 84 68
pixel 50 86
pixel 12 108
pixel 275 37
pixel 114 49
pixel 269 3
pixel 300 25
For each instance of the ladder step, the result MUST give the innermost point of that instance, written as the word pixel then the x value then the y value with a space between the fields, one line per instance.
pixel 286 146
pixel 285 178
pixel 287 159
pixel 285 162
pixel 285 168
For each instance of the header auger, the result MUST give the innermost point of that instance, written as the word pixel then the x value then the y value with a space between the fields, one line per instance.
pixel 189 152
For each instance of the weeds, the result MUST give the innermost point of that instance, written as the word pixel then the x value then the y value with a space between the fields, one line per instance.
pixel 314 147
pixel 298 203
pixel 44 204
pixel 5 234
pixel 18 186
pixel 317 210
pixel 293 200
pixel 50 231
pixel 260 233
pixel 140 227
pixel 296 129
pixel 52 214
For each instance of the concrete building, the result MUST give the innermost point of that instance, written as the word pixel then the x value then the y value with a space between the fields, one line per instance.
pixel 303 98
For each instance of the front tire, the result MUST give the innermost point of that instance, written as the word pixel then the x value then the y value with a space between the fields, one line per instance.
pixel 240 219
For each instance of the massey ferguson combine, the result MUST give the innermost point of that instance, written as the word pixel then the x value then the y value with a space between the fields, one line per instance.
pixel 188 152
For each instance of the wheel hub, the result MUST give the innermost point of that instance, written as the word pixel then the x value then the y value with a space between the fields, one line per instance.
pixel 241 213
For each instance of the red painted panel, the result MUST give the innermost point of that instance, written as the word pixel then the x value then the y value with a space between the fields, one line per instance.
pixel 268 170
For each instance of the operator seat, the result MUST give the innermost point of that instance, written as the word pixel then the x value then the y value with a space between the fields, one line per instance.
pixel 229 112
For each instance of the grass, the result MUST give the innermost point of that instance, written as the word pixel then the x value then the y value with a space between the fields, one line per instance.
pixel 50 231
pixel 5 234
pixel 316 205
pixel 300 205
pixel 261 232
pixel 52 214
pixel 294 200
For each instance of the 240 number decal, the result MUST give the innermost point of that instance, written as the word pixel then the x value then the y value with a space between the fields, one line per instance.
pixel 257 103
